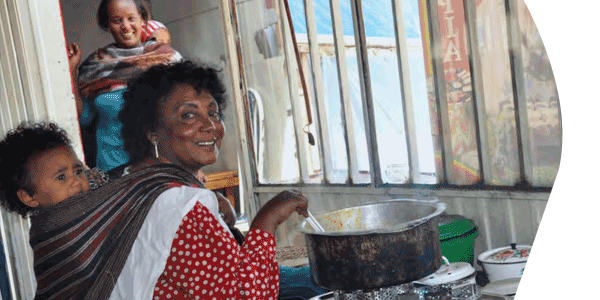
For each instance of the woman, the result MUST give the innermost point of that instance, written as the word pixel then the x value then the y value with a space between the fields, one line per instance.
pixel 103 77
pixel 156 220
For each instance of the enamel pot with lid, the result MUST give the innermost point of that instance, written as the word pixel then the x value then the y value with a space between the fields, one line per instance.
pixel 505 262
pixel 374 245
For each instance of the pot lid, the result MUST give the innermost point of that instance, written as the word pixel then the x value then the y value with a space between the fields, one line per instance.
pixel 506 255
pixel 451 226
pixel 448 273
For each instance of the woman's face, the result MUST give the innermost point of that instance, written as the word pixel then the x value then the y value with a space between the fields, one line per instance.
pixel 125 23
pixel 190 130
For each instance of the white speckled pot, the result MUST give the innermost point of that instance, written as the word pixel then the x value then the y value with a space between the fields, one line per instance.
pixel 505 262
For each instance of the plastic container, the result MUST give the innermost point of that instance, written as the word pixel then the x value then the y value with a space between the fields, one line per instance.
pixel 457 236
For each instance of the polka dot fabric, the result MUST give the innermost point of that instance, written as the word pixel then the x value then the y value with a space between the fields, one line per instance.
pixel 206 262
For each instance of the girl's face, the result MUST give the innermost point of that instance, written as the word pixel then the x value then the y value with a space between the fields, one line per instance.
pixel 125 23
pixel 190 131
pixel 56 174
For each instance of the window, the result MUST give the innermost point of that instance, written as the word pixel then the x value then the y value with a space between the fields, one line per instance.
pixel 401 93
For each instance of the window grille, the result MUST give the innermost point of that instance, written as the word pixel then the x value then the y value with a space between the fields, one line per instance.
pixel 403 93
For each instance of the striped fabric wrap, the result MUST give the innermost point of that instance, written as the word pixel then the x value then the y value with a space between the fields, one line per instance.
pixel 80 245
pixel 110 68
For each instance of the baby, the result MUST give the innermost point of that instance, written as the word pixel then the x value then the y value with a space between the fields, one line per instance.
pixel 40 168
pixel 153 28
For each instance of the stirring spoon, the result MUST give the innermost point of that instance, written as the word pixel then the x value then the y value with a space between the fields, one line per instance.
pixel 314 223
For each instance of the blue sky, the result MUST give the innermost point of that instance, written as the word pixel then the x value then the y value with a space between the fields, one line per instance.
pixel 377 15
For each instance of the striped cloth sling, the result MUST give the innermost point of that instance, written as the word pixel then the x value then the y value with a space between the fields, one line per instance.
pixel 80 245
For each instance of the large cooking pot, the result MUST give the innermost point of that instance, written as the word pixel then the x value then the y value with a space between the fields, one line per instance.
pixel 375 245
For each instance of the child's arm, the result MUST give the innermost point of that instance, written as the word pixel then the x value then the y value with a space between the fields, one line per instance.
pixel 74 54
pixel 161 35
pixel 157 30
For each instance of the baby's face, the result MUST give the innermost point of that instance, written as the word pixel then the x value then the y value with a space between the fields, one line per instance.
pixel 57 174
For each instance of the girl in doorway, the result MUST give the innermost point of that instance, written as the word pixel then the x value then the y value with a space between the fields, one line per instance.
pixel 103 76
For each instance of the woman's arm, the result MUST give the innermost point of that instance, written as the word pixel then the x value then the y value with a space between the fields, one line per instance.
pixel 278 209
pixel 74 54
pixel 204 260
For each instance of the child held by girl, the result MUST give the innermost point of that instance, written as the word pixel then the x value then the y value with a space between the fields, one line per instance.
pixel 154 29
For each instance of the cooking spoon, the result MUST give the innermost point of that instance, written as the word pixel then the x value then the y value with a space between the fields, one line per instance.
pixel 314 223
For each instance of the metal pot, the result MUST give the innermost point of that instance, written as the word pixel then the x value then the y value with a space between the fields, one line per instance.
pixel 505 262
pixel 375 245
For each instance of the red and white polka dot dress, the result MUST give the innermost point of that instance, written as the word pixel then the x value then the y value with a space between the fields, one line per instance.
pixel 206 262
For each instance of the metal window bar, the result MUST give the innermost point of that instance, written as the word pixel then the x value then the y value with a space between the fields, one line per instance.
pixel 485 175
pixel 297 105
pixel 319 99
pixel 440 91
pixel 247 159
pixel 518 80
pixel 344 85
pixel 406 92
pixel 367 95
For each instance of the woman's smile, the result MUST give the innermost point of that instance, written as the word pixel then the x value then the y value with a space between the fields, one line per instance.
pixel 125 23
pixel 190 131
pixel 209 143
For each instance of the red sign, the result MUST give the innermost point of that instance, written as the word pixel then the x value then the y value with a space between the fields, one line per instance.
pixel 453 36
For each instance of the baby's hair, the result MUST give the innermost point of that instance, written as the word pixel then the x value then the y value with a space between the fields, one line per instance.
pixel 102 17
pixel 16 149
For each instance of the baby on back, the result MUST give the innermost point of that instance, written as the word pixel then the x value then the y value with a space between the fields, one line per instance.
pixel 40 168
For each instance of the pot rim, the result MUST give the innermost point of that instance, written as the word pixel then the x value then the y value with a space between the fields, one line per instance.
pixel 505 263
pixel 440 207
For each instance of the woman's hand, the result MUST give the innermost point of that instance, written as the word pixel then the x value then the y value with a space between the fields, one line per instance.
pixel 278 209
pixel 74 54
pixel 226 210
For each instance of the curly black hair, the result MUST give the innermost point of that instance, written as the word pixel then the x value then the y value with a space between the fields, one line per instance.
pixel 139 115
pixel 16 149
pixel 102 16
